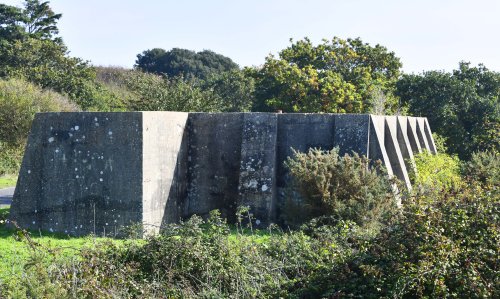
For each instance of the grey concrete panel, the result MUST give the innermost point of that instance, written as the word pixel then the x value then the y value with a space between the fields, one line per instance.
pixel 82 173
pixel 98 172
pixel 214 162
pixel 428 136
pixel 377 150
pixel 351 133
pixel 257 184
pixel 300 132
pixel 164 168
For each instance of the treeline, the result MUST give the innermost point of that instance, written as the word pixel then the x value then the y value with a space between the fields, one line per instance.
pixel 334 76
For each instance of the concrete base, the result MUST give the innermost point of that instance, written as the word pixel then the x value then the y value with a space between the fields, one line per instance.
pixel 99 172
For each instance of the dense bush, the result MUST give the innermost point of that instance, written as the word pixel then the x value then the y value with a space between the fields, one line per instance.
pixel 46 64
pixel 484 167
pixel 436 171
pixel 347 187
pixel 150 92
pixel 19 101
pixel 438 248
pixel 447 246
pixel 10 158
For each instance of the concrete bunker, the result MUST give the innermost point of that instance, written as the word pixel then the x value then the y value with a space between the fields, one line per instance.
pixel 96 172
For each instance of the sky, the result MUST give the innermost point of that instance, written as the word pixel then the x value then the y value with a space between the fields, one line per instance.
pixel 424 34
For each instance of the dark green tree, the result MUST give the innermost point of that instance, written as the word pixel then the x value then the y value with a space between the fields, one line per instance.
pixel 462 106
pixel 334 76
pixel 35 20
pixel 40 21
pixel 31 50
pixel 182 62
pixel 10 23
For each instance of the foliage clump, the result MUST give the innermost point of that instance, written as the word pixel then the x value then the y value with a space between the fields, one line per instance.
pixel 484 167
pixel 335 76
pixel 436 171
pixel 185 63
pixel 462 106
pixel 19 101
pixel 346 187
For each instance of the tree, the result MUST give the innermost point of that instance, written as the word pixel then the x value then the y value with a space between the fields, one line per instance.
pixel 462 106
pixel 234 89
pixel 335 76
pixel 40 21
pixel 30 50
pixel 10 23
pixel 35 20
pixel 46 64
pixel 182 62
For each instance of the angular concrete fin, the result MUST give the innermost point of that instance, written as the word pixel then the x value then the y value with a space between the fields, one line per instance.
pixel 428 135
pixel 421 133
pixel 164 167
pixel 404 142
pixel 413 136
pixel 377 150
pixel 393 150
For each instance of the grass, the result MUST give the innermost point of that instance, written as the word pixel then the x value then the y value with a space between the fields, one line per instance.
pixel 16 251
pixel 8 180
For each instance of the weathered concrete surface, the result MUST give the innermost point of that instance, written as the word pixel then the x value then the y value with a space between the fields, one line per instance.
pixel 98 172
pixel 257 181
pixel 214 163
pixel 81 173
pixel 164 168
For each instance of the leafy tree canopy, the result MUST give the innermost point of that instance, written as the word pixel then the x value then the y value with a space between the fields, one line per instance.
pixel 462 106
pixel 335 76
pixel 182 62
pixel 35 20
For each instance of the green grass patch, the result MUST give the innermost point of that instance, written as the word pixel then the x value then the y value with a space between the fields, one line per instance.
pixel 16 251
pixel 8 181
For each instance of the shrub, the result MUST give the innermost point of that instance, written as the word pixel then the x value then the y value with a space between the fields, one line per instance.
pixel 46 64
pixel 10 158
pixel 346 187
pixel 19 101
pixel 436 171
pixel 442 247
pixel 484 167
pixel 146 92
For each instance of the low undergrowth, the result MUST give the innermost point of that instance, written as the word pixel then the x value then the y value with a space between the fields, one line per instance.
pixel 446 246
pixel 443 242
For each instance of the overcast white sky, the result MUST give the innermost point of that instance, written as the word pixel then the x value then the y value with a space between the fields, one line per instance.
pixel 425 34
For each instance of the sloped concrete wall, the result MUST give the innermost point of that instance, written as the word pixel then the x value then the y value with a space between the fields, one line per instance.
pixel 98 172
pixel 81 173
